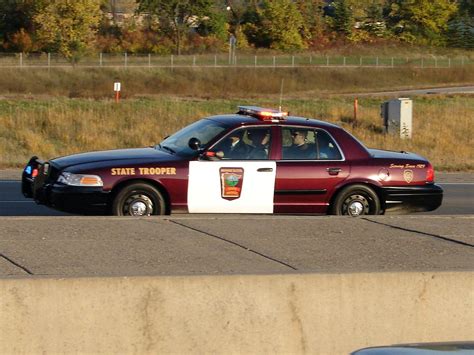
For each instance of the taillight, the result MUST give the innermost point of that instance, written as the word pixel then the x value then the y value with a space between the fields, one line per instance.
pixel 430 175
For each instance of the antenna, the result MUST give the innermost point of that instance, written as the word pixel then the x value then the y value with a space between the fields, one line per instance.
pixel 281 94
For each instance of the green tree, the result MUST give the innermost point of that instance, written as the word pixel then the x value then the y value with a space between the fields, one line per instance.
pixel 343 18
pixel 282 25
pixel 466 7
pixel 461 27
pixel 422 21
pixel 68 27
pixel 176 17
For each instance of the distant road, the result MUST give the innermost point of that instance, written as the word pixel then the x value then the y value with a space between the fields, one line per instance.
pixel 402 92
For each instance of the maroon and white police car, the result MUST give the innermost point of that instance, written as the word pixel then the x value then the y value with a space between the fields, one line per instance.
pixel 255 161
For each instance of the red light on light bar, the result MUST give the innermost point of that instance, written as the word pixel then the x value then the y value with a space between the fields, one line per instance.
pixel 34 173
pixel 263 113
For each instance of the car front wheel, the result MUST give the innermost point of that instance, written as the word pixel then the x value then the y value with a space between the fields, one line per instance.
pixel 139 199
pixel 356 200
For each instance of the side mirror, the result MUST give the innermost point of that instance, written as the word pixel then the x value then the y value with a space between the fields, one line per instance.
pixel 194 144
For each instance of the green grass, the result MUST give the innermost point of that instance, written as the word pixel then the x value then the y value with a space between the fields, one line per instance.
pixel 443 128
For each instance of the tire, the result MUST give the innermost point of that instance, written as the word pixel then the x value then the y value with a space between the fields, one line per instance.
pixel 356 200
pixel 138 199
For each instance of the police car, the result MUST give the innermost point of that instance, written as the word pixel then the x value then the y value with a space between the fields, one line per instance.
pixel 255 161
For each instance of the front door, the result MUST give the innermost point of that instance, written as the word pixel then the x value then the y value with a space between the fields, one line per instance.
pixel 231 187
pixel 238 181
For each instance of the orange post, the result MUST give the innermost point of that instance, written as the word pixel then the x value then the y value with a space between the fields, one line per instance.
pixel 117 97
pixel 356 108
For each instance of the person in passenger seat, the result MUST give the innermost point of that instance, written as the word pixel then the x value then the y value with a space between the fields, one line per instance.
pixel 299 148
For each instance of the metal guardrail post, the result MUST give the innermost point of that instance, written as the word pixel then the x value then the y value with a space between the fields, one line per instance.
pixel 100 59
pixel 21 60
pixel 149 60
pixel 126 60
pixel 194 60
pixel 293 61
pixel 392 62
pixel 327 60
pixel 172 61
pixel 449 62
pixel 215 60
pixel 255 61
pixel 49 61
pixel 377 61
pixel 360 61
pixel 274 61
pixel 344 61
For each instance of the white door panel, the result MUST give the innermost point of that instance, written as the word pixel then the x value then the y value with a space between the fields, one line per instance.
pixel 231 186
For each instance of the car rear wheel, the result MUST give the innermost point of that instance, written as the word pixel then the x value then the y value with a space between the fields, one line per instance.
pixel 138 200
pixel 356 200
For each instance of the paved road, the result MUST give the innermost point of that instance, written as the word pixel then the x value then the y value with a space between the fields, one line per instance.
pixel 210 245
pixel 458 200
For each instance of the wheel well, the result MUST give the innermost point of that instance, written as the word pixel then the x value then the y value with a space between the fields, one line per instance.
pixel 155 184
pixel 376 189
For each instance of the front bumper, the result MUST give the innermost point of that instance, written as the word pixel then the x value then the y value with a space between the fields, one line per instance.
pixel 413 198
pixel 73 199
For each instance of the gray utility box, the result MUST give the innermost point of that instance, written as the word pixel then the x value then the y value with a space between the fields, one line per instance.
pixel 397 116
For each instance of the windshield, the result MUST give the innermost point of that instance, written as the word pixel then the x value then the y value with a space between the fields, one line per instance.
pixel 204 130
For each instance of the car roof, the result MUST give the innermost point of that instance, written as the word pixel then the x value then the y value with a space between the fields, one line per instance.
pixel 239 119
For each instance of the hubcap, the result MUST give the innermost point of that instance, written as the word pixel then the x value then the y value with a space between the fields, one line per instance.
pixel 138 205
pixel 356 208
pixel 138 208
pixel 356 205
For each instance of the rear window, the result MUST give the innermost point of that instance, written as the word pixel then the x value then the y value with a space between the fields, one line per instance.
pixel 299 143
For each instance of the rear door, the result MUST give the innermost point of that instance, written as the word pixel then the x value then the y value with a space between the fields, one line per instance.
pixel 311 165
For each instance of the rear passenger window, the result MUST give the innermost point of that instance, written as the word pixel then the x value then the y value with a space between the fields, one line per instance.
pixel 308 144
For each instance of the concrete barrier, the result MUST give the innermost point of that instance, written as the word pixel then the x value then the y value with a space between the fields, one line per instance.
pixel 308 313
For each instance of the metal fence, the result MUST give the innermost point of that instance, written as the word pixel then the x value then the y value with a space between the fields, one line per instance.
pixel 102 60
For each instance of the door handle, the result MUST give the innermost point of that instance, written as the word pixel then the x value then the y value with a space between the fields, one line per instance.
pixel 334 171
pixel 265 170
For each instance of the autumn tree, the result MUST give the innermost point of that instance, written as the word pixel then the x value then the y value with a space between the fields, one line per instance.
pixel 68 27
pixel 282 25
pixel 314 24
pixel 421 21
pixel 16 23
pixel 176 17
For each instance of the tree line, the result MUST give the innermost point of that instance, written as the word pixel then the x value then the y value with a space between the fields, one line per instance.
pixel 80 27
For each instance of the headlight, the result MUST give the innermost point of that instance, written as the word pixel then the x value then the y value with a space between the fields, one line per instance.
pixel 80 180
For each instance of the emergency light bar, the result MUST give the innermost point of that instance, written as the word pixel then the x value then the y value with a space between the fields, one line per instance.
pixel 265 114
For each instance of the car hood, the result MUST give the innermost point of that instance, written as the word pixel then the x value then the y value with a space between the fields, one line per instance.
pixel 123 155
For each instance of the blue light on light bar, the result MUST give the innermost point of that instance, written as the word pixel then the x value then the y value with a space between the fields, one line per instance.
pixel 28 170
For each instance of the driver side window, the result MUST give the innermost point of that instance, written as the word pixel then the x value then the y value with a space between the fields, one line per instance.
pixel 244 144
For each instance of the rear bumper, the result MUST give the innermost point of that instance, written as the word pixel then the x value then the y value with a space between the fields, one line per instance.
pixel 413 198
